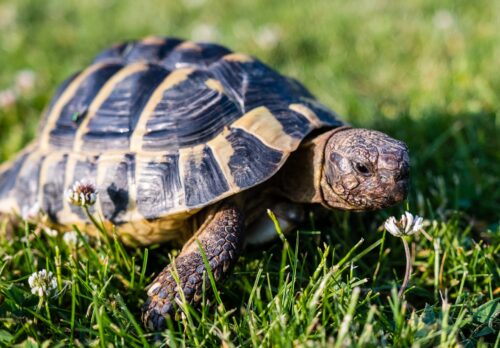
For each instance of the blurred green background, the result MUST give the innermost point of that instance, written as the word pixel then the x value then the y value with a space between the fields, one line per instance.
pixel 424 71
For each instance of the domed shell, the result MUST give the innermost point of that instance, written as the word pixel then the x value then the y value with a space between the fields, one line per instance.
pixel 163 127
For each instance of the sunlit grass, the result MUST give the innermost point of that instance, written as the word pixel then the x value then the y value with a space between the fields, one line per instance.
pixel 301 290
pixel 425 72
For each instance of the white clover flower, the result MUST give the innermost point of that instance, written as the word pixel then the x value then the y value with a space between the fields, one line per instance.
pixel 42 283
pixel 30 212
pixel 406 226
pixel 25 81
pixel 83 193
pixel 71 239
pixel 7 98
pixel 443 20
pixel 50 232
pixel 268 36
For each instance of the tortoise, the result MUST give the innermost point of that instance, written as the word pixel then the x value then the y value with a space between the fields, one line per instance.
pixel 191 142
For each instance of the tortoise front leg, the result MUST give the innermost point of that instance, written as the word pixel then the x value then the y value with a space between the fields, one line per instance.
pixel 221 238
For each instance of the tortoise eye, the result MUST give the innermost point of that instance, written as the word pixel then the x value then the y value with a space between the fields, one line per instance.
pixel 362 169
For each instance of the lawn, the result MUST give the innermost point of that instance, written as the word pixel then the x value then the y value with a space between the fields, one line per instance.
pixel 425 72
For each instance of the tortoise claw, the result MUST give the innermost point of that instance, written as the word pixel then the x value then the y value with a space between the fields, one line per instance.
pixel 152 317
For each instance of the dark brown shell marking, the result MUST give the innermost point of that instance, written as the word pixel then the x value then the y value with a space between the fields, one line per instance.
pixel 162 126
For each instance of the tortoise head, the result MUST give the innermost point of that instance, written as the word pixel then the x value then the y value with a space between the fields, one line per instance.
pixel 364 170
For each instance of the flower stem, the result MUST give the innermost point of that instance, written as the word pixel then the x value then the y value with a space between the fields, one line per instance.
pixel 408 268
pixel 101 230
pixel 40 304
pixel 92 219
pixel 48 311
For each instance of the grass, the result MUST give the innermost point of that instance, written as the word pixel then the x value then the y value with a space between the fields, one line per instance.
pixel 423 71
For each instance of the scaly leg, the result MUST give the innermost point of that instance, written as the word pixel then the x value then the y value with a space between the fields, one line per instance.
pixel 221 238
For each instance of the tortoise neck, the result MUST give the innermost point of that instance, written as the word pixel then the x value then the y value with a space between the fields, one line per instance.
pixel 300 178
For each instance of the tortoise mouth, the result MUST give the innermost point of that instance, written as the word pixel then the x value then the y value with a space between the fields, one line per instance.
pixel 359 201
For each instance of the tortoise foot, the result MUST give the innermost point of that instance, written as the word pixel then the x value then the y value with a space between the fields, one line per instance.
pixel 221 238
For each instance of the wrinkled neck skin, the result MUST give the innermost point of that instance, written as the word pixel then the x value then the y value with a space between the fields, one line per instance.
pixel 300 178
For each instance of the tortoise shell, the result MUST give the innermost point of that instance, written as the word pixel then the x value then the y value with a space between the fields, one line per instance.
pixel 164 127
